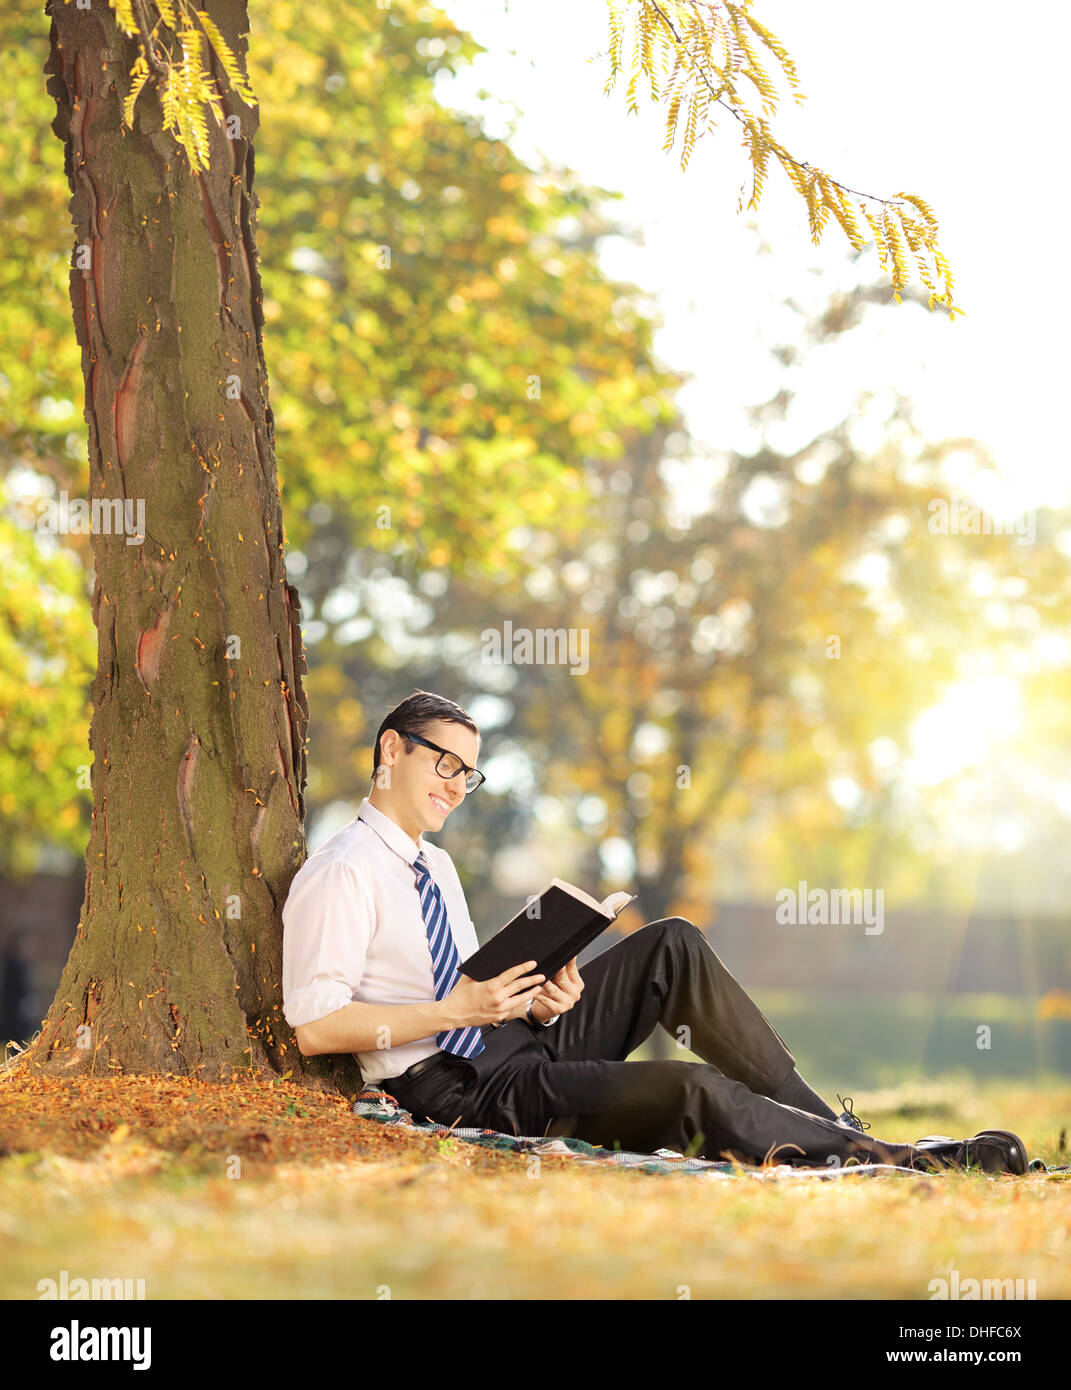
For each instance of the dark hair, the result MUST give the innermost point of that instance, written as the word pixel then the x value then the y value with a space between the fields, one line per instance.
pixel 415 713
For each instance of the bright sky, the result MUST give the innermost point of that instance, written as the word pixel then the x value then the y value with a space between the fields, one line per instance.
pixel 941 105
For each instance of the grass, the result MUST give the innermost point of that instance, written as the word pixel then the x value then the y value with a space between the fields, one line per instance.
pixel 261 1191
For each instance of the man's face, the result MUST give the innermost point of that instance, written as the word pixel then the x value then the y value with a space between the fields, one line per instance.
pixel 416 789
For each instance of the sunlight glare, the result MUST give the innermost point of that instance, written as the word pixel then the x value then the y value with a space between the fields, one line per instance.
pixel 965 727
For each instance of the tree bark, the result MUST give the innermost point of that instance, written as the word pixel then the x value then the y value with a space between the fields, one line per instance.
pixel 199 711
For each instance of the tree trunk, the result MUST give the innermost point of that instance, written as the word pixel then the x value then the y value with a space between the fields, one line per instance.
pixel 199 711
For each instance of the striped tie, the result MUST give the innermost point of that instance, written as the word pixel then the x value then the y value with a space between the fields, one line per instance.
pixel 445 962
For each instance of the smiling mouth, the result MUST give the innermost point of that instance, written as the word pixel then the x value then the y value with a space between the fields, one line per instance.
pixel 439 803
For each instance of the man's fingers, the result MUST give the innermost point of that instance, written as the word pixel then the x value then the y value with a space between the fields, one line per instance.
pixel 555 995
pixel 517 987
pixel 515 970
pixel 511 978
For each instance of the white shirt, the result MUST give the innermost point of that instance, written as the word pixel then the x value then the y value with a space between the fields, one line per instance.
pixel 353 930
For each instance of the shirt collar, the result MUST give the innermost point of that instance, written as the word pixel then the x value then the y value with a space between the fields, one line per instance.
pixel 392 834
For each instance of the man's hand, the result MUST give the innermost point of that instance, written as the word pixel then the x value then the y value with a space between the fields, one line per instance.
pixel 476 1002
pixel 558 995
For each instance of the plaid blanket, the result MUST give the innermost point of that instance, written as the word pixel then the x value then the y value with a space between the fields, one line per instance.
pixel 373 1104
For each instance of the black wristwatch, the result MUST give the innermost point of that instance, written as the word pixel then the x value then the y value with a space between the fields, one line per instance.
pixel 535 1021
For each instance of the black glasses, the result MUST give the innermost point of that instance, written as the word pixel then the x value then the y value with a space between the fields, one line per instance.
pixel 448 764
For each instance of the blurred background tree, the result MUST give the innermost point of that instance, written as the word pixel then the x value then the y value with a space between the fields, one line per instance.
pixel 754 666
pixel 446 352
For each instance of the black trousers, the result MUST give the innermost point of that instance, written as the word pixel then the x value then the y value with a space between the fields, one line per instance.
pixel 572 1079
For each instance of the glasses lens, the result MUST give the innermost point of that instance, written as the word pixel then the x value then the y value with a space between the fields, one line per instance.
pixel 473 780
pixel 449 765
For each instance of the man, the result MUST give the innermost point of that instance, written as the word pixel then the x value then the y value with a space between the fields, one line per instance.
pixel 376 931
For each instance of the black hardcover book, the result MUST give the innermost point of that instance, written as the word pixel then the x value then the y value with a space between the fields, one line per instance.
pixel 551 930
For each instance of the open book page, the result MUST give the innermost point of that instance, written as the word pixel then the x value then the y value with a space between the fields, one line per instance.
pixel 609 907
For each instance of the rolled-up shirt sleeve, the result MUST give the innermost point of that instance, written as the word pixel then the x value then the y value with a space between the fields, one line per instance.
pixel 327 925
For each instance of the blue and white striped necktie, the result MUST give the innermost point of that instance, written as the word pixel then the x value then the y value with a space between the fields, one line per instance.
pixel 445 961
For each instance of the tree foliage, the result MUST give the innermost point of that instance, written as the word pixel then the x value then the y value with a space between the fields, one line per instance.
pixel 447 349
pixel 444 348
pixel 47 659
pixel 695 55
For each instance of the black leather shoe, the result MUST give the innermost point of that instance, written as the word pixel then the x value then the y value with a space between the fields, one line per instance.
pixel 991 1150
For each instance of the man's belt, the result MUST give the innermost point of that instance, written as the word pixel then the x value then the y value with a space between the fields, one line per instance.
pixel 418 1068
pixel 437 1059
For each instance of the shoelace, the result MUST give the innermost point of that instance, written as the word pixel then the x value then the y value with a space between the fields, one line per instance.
pixel 849 1116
